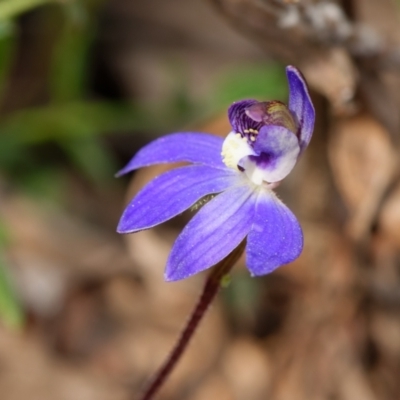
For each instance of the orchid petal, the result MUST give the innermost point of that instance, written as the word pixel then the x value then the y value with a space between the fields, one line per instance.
pixel 275 238
pixel 172 193
pixel 198 148
pixel 277 150
pixel 214 232
pixel 300 104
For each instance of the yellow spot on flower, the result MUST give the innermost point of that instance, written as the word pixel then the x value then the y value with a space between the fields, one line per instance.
pixel 234 148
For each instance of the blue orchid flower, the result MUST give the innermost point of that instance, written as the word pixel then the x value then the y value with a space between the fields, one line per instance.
pixel 240 172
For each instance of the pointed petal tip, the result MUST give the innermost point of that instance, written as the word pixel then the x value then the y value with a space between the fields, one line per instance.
pixel 120 173
pixel 127 169
pixel 125 226
pixel 175 274
pixel 293 74
pixel 291 69
pixel 171 272
pixel 122 229
pixel 301 105
pixel 171 278
pixel 171 193
pixel 168 277
pixel 193 147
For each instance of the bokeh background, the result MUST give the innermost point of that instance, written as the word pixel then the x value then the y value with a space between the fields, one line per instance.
pixel 84 313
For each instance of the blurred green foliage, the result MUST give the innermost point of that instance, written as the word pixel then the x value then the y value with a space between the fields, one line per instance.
pixel 7 51
pixel 12 8
pixel 260 81
pixel 242 297
pixel 71 55
pixel 11 312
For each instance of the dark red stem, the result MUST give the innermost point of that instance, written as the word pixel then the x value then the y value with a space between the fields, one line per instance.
pixel 211 288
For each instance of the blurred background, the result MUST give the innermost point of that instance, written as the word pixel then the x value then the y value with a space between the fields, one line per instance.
pixel 85 313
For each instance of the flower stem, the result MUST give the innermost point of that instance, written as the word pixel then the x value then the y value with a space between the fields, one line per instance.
pixel 211 288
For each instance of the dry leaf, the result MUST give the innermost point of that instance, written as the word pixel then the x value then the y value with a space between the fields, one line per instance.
pixel 389 218
pixel 363 162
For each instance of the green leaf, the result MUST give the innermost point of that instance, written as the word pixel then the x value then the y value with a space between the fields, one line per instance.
pixel 4 234
pixel 71 53
pixel 93 160
pixel 7 51
pixel 43 183
pixel 12 8
pixel 77 128
pixel 260 81
pixel 81 119
pixel 11 311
